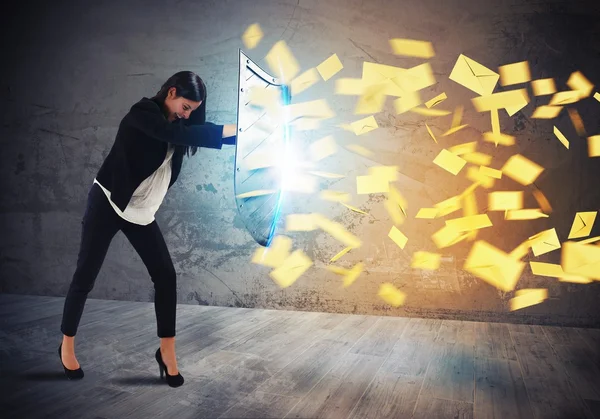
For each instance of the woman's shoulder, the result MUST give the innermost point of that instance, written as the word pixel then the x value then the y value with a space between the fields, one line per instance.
pixel 147 104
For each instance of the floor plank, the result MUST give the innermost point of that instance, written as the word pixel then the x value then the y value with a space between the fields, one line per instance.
pixel 551 393
pixel 500 390
pixel 251 363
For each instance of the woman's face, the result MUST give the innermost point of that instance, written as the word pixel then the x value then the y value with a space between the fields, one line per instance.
pixel 178 107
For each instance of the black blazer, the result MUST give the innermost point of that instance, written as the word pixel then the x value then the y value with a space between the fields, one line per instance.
pixel 141 144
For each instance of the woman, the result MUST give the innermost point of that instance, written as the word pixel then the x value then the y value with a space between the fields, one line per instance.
pixel 143 163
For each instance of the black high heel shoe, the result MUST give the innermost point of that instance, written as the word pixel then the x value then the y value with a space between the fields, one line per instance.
pixel 71 374
pixel 172 380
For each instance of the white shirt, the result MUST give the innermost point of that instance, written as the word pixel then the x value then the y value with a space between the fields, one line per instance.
pixel 147 198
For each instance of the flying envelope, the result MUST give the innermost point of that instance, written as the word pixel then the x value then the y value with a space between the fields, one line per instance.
pixel 582 224
pixel 581 259
pixel 474 76
pixel 493 266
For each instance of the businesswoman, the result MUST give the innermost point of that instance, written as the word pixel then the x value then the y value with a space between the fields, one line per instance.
pixel 143 163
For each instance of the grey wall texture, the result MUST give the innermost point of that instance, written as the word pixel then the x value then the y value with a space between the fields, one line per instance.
pixel 72 69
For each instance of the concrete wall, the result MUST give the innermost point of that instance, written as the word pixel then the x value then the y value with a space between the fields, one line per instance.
pixel 72 69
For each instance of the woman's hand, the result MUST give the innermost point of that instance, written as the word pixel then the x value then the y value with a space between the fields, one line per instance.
pixel 229 130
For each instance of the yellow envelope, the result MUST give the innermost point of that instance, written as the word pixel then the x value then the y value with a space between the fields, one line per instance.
pixel 474 76
pixel 561 137
pixel 340 254
pixel 495 121
pixel 426 260
pixel 565 98
pixel 544 242
pixel 274 255
pixel 371 100
pixel 373 73
pixel 391 295
pixel 322 148
pixel 525 214
pixel 394 211
pixel 334 196
pixel 353 208
pixel 337 231
pixel 291 269
pixel 577 122
pixel 395 196
pixel 502 139
pixel 594 146
pixel 493 266
pixel 513 109
pixel 252 36
pixel 299 222
pixel 521 169
pixel 478 158
pixel 528 297
pixel 543 87
pixel 304 81
pixel 514 73
pixel 371 184
pixel 282 62
pixel 353 273
pixel 328 68
pixel 488 171
pixel 556 271
pixel 431 133
pixel 448 206
pixel 581 259
pixel 337 269
pixel 597 96
pixel 407 102
pixel 447 236
pixel 577 81
pixel 505 200
pixel 471 222
pixel 464 148
pixel 449 162
pixel 546 112
pixel 457 116
pixel 503 100
pixel 412 48
pixel 474 175
pixel 542 201
pixel 259 192
pixel 454 129
pixel 436 100
pixel 415 78
pixel 582 224
pixel 362 126
pixel 427 213
pixel 397 237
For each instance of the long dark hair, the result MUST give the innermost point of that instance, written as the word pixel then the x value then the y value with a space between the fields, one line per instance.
pixel 190 86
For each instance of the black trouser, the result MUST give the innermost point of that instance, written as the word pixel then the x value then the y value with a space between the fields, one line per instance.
pixel 99 225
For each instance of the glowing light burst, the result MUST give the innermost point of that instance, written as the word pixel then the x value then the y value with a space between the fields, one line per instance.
pixel 286 164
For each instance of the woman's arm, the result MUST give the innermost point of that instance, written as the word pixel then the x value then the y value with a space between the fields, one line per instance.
pixel 229 130
pixel 147 118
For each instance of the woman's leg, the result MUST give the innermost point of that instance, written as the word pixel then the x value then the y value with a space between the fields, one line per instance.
pixel 99 225
pixel 149 243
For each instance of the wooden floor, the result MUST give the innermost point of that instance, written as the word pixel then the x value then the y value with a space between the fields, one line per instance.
pixel 250 363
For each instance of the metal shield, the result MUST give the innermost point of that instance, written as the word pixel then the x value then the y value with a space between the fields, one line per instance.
pixel 259 134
